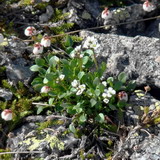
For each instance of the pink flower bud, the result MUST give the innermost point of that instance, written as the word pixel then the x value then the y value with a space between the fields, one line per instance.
pixel 30 31
pixel 106 14
pixel 46 41
pixel 45 89
pixel 38 48
pixel 148 6
pixel 7 114
pixel 123 96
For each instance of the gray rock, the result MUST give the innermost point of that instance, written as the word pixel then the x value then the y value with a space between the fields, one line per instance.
pixel 46 16
pixel 83 13
pixel 137 56
pixel 5 94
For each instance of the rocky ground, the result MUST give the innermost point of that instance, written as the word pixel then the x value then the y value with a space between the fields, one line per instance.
pixel 133 48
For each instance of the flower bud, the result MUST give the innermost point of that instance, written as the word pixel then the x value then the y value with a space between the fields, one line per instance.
pixel 106 14
pixel 148 6
pixel 30 31
pixel 7 114
pixel 46 41
pixel 45 89
pixel 123 96
pixel 38 48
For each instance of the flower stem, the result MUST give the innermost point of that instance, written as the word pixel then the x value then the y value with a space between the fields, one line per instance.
pixel 95 61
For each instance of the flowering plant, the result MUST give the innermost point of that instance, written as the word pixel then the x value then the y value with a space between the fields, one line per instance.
pixel 72 87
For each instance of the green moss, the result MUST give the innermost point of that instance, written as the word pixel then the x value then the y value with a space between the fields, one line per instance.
pixel 49 123
pixel 5 156
pixel 33 143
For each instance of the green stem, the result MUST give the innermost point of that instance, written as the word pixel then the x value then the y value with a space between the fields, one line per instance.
pixel 95 61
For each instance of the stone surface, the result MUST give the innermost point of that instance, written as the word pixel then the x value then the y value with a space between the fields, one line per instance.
pixel 5 94
pixel 83 13
pixel 137 56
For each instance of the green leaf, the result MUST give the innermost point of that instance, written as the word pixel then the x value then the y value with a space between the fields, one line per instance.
pixel 34 68
pixel 121 104
pixel 50 76
pixel 100 118
pixel 69 49
pixel 80 75
pixel 37 80
pixel 122 77
pixel 71 111
pixel 40 61
pixel 42 71
pixel 97 92
pixel 72 128
pixel 69 41
pixel 117 85
pixel 93 102
pixel 85 59
pixel 110 81
pixel 96 81
pixel 40 109
pixel 52 61
pixel 51 100
pixel 112 107
pixel 83 118
pixel 89 52
pixel 45 81
pixel 131 86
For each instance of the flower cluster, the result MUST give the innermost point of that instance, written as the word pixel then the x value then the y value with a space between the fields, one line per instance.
pixel 91 42
pixel 79 88
pixel 77 52
pixel 108 93
pixel 7 114
pixel 1 38
pixel 148 6
pixel 38 47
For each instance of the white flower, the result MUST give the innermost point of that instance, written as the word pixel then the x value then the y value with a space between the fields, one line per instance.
pixel 38 48
pixel 72 54
pixel 79 92
pixel 108 92
pixel 123 96
pixel 1 38
pixel 106 14
pixel 111 91
pixel 75 83
pixel 82 87
pixel 45 0
pixel 104 83
pixel 106 100
pixel 45 89
pixel 104 95
pixel 30 31
pixel 61 77
pixel 148 6
pixel 76 52
pixel 7 114
pixel 91 42
pixel 46 41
